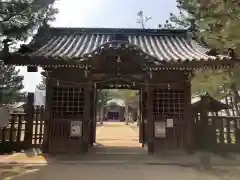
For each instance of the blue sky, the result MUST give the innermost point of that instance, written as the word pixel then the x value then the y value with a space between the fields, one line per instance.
pixel 105 13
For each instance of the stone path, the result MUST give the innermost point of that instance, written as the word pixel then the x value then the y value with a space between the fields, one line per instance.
pixel 117 134
pixel 117 138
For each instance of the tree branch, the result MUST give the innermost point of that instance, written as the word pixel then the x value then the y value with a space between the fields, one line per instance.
pixel 15 14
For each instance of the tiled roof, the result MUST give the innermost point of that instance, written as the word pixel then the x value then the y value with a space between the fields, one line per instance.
pixel 164 45
pixel 212 104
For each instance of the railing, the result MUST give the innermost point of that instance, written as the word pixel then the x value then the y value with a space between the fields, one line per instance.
pixel 14 137
pixel 218 133
pixel 225 131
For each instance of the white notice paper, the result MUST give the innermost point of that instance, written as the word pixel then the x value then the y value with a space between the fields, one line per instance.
pixel 160 130
pixel 76 128
pixel 170 123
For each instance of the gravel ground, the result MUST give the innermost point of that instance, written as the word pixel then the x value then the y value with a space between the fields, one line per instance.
pixel 119 172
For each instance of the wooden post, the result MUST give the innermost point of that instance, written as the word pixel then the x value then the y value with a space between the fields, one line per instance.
pixel 188 118
pixel 94 114
pixel 47 114
pixel 204 122
pixel 140 125
pixel 86 119
pixel 150 123
pixel 29 120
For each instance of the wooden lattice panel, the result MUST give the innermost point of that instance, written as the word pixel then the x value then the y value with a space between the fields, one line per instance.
pixel 168 103
pixel 68 102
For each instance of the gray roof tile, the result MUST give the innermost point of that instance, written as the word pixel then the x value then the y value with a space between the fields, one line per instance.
pixel 163 45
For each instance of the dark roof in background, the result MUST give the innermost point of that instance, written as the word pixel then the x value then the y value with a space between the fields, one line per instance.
pixel 162 44
pixel 211 104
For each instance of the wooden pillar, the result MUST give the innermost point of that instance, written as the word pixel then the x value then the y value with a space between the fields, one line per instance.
pixel 94 114
pixel 140 119
pixel 47 114
pixel 188 118
pixel 86 119
pixel 29 120
pixel 150 123
pixel 203 121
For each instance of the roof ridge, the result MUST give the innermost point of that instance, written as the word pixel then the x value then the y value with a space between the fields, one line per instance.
pixel 126 31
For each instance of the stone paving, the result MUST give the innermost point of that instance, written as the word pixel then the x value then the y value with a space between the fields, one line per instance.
pixel 117 134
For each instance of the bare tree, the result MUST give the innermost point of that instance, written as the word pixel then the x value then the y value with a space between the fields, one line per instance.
pixel 142 20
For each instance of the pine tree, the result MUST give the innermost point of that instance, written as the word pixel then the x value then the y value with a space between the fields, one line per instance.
pixel 11 86
pixel 217 24
pixel 19 19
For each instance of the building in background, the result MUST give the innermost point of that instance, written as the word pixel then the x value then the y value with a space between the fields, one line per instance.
pixel 114 110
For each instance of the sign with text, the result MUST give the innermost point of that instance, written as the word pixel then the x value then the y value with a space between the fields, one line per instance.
pixel 160 129
pixel 76 129
pixel 170 123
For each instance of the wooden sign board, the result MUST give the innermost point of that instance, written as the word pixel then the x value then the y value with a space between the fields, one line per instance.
pixel 159 129
pixel 76 129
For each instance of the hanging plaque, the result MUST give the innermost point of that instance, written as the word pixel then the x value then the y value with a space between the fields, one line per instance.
pixel 76 129
pixel 170 123
pixel 160 130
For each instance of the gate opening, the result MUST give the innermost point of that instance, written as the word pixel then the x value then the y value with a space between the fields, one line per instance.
pixel 118 116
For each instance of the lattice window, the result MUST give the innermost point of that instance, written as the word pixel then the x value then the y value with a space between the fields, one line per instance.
pixel 168 103
pixel 67 102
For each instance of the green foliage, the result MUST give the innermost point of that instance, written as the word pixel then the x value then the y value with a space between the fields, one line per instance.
pixel 125 95
pixel 11 85
pixel 217 23
pixel 18 21
pixel 20 18
pixel 210 81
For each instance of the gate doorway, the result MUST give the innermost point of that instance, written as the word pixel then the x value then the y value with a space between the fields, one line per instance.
pixel 118 120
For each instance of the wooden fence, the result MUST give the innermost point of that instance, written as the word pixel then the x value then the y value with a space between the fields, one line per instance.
pixel 25 130
pixel 220 133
